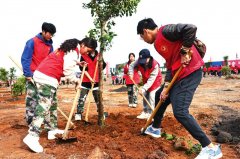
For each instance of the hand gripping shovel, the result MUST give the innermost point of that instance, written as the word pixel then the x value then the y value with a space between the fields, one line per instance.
pixel 142 95
pixel 65 136
pixel 149 121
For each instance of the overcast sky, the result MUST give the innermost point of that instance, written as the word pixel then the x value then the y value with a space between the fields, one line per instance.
pixel 217 21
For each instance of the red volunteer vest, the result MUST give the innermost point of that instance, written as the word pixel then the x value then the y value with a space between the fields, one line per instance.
pixel 91 68
pixel 52 65
pixel 146 74
pixel 170 51
pixel 40 52
pixel 136 76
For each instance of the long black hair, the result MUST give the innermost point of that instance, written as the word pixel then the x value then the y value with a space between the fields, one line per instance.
pixel 130 56
pixel 69 44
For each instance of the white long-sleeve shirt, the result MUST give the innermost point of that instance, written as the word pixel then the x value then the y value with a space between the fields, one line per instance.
pixel 150 80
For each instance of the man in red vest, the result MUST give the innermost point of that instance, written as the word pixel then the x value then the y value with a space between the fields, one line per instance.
pixel 35 51
pixel 174 42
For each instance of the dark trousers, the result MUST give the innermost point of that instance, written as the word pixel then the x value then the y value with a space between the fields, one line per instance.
pixel 180 96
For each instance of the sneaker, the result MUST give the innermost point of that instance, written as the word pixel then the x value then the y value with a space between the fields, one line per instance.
pixel 134 105
pixel 78 117
pixel 143 115
pixel 130 105
pixel 33 143
pixel 52 133
pixel 210 153
pixel 154 132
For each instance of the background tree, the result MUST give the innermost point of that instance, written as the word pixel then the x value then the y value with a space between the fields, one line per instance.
pixel 226 71
pixel 3 74
pixel 12 76
pixel 225 59
pixel 104 11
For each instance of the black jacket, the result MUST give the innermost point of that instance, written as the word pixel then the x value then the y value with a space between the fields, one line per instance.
pixel 175 32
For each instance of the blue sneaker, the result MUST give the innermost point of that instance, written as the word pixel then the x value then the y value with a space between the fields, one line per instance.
pixel 154 132
pixel 210 153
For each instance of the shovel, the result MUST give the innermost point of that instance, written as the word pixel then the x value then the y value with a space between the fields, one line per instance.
pixel 90 94
pixel 149 121
pixel 142 95
pixel 65 136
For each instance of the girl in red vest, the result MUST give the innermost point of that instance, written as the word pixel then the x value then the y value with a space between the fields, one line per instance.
pixel 91 59
pixel 152 78
pixel 47 76
pixel 174 42
pixel 131 88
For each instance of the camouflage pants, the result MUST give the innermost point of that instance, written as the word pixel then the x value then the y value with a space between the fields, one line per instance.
pixel 82 99
pixel 132 94
pixel 46 109
pixel 31 101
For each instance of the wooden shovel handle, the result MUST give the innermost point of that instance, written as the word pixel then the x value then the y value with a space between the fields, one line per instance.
pixel 90 93
pixel 149 121
pixel 142 95
pixel 73 106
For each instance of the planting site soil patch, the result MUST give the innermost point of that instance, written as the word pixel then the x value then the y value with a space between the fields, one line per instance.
pixel 121 137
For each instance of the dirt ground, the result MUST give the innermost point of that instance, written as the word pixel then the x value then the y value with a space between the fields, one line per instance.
pixel 216 105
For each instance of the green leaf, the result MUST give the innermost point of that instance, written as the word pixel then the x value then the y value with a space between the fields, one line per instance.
pixel 169 137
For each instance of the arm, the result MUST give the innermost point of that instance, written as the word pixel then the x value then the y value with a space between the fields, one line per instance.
pixel 152 78
pixel 26 58
pixel 81 66
pixel 125 69
pixel 69 66
pixel 184 32
pixel 168 76
pixel 131 68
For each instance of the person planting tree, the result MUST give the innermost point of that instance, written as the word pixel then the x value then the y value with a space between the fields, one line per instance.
pixel 174 42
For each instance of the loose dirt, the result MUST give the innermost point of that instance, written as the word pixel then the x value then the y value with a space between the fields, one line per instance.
pixel 216 106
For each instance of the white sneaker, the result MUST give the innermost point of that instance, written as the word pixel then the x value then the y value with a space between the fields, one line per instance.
pixel 130 105
pixel 78 117
pixel 143 115
pixel 52 133
pixel 210 153
pixel 134 105
pixel 33 143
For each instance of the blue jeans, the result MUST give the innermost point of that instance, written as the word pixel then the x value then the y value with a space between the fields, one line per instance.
pixel 181 96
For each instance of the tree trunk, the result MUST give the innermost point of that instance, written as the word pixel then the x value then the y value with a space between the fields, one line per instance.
pixel 101 120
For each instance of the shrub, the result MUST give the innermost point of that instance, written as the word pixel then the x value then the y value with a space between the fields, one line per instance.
pixel 226 71
pixel 19 87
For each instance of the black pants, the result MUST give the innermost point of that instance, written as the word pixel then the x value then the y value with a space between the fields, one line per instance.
pixel 181 96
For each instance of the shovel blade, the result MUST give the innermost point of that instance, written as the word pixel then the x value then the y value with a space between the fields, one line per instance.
pixel 68 140
pixel 61 138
